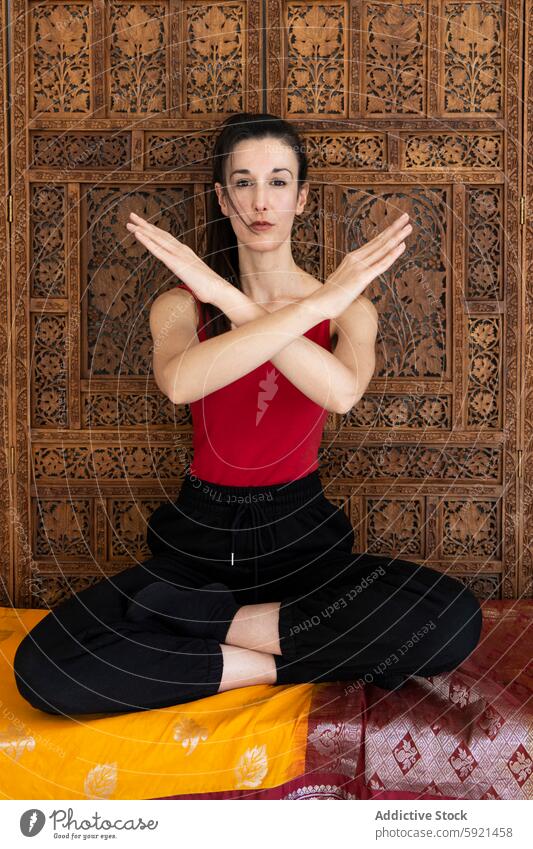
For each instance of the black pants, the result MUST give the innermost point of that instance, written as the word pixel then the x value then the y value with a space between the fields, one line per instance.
pixel 343 616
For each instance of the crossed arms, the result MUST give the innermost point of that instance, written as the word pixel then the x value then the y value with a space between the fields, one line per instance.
pixel 335 381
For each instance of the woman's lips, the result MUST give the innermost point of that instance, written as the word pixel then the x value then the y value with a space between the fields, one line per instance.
pixel 261 227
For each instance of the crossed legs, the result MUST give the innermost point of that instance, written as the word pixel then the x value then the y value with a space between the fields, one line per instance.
pixel 251 643
pixel 88 657
pixel 411 621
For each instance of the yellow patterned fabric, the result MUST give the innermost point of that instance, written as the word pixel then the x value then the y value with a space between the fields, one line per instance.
pixel 252 737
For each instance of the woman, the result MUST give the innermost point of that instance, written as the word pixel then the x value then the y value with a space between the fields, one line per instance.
pixel 252 578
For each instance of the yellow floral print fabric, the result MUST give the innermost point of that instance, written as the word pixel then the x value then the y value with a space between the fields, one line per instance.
pixel 243 739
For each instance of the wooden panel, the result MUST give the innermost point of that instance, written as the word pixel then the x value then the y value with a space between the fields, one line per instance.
pixel 403 105
pixel 113 112
pixel 407 58
pixel 429 123
pixel 164 57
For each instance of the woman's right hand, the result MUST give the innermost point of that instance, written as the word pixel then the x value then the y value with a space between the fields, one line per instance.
pixel 360 267
pixel 178 257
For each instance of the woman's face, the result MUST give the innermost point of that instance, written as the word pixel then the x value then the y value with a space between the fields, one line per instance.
pixel 261 180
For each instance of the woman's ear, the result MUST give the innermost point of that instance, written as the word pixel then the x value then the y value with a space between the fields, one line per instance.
pixel 302 197
pixel 221 199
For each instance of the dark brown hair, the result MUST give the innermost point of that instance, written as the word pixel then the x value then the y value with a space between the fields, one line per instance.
pixel 221 242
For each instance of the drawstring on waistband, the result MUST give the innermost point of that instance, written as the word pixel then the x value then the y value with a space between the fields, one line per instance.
pixel 257 513
pixel 205 495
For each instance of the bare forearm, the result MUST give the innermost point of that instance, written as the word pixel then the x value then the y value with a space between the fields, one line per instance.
pixel 309 367
pixel 204 368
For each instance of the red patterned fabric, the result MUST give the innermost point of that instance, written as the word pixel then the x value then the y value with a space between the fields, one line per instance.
pixel 463 735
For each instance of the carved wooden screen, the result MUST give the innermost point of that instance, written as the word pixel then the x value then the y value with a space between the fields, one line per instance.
pixel 403 106
pixel 120 100
pixel 414 106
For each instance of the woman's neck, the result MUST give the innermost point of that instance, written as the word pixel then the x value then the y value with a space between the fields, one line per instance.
pixel 270 276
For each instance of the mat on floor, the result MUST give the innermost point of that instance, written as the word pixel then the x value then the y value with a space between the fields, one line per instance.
pixel 465 734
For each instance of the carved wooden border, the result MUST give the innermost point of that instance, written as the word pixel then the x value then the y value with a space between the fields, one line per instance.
pixel 6 522
pixel 513 351
pixel 526 513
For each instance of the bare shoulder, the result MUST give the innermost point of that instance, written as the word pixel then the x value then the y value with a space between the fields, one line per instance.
pixel 173 306
pixel 363 308
pixel 360 319
pixel 173 328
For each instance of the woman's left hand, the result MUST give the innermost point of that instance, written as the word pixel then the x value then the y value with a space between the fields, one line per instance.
pixel 179 258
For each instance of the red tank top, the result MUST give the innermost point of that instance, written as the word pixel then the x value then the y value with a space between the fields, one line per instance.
pixel 259 429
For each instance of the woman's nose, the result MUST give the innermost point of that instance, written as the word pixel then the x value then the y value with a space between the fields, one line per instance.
pixel 259 196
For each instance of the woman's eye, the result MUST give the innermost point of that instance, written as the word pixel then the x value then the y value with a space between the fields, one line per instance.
pixel 242 183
